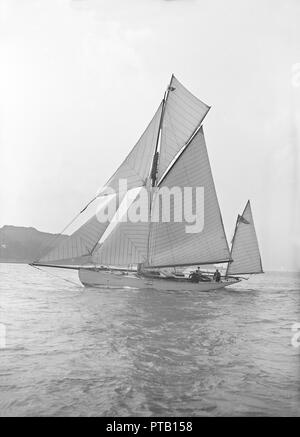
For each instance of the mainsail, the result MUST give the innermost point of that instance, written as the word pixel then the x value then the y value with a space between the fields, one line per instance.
pixel 245 251
pixel 170 244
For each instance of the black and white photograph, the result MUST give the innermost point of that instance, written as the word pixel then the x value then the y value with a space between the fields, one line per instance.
pixel 149 211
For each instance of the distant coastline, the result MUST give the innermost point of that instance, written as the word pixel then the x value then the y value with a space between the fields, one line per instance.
pixel 21 245
pixel 5 261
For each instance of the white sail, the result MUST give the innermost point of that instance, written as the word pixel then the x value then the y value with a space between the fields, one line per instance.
pixel 245 251
pixel 136 167
pixel 170 244
pixel 183 113
pixel 126 243
pixel 78 247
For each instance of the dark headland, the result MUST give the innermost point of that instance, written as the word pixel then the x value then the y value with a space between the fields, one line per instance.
pixel 24 244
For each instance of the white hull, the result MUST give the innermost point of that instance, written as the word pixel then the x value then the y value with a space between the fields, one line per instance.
pixel 117 279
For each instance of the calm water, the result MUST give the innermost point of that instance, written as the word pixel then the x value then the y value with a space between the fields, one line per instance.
pixel 76 351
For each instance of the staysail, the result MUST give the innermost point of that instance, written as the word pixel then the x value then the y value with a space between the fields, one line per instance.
pixel 170 243
pixel 245 251
pixel 126 244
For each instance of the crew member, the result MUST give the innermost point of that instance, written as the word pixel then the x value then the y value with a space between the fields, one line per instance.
pixel 217 276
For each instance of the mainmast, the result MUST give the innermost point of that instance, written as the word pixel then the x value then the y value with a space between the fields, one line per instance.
pixel 154 167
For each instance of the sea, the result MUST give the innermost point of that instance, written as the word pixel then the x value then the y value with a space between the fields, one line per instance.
pixel 66 350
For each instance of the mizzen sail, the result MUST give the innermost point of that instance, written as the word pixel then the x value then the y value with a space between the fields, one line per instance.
pixel 245 251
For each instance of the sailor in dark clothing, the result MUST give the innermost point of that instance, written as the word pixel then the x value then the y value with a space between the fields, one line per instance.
pixel 197 276
pixel 194 277
pixel 217 276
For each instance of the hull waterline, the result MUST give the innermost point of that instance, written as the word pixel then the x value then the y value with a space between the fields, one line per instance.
pixel 109 279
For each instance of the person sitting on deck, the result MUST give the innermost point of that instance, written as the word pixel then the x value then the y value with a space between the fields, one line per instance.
pixel 217 276
pixel 202 277
pixel 194 277
pixel 197 276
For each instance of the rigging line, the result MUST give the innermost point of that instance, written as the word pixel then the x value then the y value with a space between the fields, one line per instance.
pixel 53 240
pixel 52 274
pixel 154 166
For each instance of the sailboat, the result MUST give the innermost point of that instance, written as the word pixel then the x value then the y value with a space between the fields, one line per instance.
pixel 170 155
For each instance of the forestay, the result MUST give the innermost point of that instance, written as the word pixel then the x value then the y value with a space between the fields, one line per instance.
pixel 77 248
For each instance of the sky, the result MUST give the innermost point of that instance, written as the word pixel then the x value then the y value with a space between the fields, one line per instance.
pixel 81 79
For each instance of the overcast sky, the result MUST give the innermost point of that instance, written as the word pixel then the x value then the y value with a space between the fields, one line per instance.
pixel 80 80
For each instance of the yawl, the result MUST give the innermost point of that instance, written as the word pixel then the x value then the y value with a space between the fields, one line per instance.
pixel 148 253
